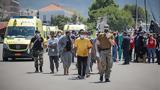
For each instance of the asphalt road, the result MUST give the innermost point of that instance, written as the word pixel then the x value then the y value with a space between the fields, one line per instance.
pixel 19 75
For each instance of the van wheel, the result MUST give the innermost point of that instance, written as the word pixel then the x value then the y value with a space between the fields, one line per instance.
pixel 5 59
pixel 13 59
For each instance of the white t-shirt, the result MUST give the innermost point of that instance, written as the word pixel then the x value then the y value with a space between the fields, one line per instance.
pixel 53 42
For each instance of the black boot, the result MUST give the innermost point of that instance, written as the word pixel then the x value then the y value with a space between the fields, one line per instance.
pixel 101 78
pixel 36 70
pixel 107 80
pixel 40 68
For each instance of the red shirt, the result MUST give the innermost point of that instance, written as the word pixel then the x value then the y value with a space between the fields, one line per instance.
pixel 131 43
pixel 151 43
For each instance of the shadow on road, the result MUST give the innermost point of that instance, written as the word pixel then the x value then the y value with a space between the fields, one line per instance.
pixel 33 72
pixel 18 61
pixel 74 78
pixel 98 82
pixel 59 75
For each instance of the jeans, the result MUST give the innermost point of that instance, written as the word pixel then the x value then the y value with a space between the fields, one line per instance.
pixel 114 53
pixel 151 52
pixel 55 59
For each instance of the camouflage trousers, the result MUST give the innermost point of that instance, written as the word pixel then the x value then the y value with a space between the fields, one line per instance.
pixel 105 63
pixel 38 60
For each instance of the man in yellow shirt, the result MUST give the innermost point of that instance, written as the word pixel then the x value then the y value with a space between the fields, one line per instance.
pixel 82 46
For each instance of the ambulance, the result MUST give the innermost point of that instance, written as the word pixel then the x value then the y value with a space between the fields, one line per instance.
pixel 18 35
pixel 75 27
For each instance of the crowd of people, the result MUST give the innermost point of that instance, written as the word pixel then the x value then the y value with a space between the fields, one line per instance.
pixel 106 48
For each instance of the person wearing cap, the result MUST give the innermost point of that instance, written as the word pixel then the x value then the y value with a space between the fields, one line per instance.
pixel 37 51
pixel 151 45
pixel 104 43
pixel 82 46
pixel 65 50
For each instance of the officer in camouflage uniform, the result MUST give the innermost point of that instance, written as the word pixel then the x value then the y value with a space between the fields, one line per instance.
pixel 37 51
pixel 104 44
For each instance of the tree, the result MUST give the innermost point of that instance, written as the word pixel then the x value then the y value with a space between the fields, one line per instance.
pixel 97 4
pixel 117 19
pixel 132 10
pixel 74 19
pixel 59 21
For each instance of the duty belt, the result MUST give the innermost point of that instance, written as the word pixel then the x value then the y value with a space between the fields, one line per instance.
pixel 104 49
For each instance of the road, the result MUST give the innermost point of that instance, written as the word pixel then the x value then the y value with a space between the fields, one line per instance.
pixel 19 75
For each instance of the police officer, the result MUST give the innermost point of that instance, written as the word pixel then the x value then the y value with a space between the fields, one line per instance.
pixel 37 51
pixel 104 44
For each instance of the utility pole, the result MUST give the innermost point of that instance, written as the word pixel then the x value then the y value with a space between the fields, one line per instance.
pixel 145 3
pixel 136 14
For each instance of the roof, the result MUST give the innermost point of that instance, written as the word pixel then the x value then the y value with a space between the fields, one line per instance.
pixel 55 7
pixel 51 8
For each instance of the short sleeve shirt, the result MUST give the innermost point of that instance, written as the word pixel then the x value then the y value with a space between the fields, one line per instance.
pixel 82 46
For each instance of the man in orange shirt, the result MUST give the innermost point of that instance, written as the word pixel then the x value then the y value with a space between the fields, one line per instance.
pixel 82 46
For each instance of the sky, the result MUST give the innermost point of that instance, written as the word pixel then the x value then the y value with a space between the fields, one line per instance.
pixel 82 5
pixel 78 5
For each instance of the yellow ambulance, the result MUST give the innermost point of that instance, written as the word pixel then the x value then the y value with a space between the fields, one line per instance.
pixel 18 35
pixel 75 27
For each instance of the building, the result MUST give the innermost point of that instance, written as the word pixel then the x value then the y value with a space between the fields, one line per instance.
pixel 28 12
pixel 9 8
pixel 52 10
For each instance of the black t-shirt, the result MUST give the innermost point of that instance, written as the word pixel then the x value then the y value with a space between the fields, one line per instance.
pixel 69 45
pixel 37 43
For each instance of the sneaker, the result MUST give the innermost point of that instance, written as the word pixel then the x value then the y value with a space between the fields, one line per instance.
pixel 80 77
pixel 51 72
pixel 87 76
pixel 107 80
pixel 36 71
pixel 101 78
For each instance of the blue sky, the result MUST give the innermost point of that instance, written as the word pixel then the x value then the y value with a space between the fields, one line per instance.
pixel 78 5
pixel 82 5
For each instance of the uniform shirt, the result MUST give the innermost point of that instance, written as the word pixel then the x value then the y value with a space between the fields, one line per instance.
pixel 53 51
pixel 104 42
pixel 37 43
pixel 82 46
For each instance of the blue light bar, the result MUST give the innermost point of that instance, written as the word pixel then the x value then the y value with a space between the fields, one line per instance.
pixel 30 17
